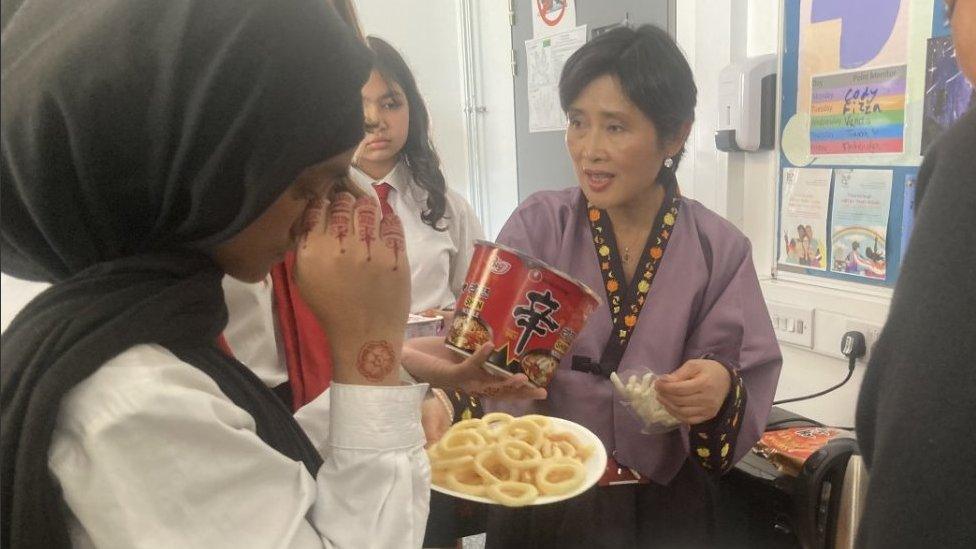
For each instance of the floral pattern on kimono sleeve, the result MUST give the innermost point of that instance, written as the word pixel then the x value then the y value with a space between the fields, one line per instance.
pixel 713 442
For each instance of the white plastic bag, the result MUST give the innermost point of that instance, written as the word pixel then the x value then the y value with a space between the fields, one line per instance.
pixel 640 397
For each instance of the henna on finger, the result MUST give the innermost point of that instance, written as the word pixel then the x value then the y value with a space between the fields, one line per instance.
pixel 366 211
pixel 376 360
pixel 391 233
pixel 310 218
pixel 340 217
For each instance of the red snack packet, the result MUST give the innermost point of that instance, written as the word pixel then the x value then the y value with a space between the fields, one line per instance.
pixel 789 448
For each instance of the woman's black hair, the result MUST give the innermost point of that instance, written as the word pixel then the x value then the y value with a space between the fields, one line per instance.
pixel 418 152
pixel 652 71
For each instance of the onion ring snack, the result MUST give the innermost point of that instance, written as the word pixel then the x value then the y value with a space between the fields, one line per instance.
pixel 525 430
pixel 512 461
pixel 462 442
pixel 501 492
pixel 465 480
pixel 564 483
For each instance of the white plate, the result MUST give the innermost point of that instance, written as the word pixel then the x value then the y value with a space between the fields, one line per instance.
pixel 595 466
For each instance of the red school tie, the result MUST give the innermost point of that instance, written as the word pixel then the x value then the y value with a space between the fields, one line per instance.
pixel 308 354
pixel 382 192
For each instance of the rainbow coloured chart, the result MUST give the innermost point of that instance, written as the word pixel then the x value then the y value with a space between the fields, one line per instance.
pixel 859 112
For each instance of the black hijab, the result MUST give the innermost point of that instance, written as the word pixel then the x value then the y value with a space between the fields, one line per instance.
pixel 136 135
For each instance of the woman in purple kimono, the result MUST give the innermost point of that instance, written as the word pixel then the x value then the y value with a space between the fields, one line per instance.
pixel 681 299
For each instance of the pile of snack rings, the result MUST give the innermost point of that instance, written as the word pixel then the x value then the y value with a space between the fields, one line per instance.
pixel 509 460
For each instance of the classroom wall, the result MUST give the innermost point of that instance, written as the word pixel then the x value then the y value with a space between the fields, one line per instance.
pixel 499 185
pixel 750 202
pixel 804 370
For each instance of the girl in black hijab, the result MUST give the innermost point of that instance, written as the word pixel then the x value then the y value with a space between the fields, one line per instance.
pixel 148 148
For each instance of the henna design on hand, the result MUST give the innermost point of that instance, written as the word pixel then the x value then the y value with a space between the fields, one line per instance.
pixel 313 212
pixel 340 217
pixel 376 360
pixel 391 233
pixel 365 219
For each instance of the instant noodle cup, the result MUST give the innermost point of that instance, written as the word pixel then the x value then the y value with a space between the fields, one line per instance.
pixel 530 312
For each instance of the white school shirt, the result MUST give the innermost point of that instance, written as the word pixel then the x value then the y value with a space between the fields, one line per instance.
pixel 252 329
pixel 150 453
pixel 438 259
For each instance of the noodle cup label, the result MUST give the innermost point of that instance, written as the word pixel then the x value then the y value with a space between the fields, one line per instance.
pixel 530 312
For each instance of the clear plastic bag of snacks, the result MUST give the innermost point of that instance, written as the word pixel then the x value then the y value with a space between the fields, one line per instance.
pixel 638 395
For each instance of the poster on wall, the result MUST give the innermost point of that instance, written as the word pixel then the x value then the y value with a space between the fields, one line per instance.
pixel 859 112
pixel 948 94
pixel 551 17
pixel 545 59
pixel 803 217
pixel 844 44
pixel 859 222
pixel 838 37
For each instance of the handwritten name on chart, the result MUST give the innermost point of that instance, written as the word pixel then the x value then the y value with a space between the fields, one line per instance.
pixel 860 112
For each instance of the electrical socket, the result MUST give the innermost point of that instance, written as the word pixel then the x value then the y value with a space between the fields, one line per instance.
pixel 871 333
pixel 792 324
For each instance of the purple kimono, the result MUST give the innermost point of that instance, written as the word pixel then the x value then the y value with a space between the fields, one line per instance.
pixel 703 300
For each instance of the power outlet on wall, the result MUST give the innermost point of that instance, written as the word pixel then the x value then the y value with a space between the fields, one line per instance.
pixel 792 324
pixel 871 334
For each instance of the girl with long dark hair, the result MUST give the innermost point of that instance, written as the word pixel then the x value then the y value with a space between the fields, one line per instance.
pixel 398 160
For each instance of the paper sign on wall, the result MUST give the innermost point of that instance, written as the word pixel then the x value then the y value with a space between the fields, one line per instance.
pixel 546 57
pixel 859 222
pixel 551 17
pixel 803 217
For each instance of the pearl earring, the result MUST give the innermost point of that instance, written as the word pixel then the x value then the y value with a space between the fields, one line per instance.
pixel 668 162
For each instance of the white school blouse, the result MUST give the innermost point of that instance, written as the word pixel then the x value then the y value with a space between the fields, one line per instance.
pixel 252 329
pixel 150 453
pixel 438 259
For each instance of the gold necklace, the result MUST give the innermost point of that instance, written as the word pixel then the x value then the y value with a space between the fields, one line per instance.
pixel 626 254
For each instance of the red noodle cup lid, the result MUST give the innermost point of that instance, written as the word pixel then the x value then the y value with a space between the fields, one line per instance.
pixel 539 264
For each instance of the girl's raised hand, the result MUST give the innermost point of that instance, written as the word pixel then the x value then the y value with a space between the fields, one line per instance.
pixel 352 270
